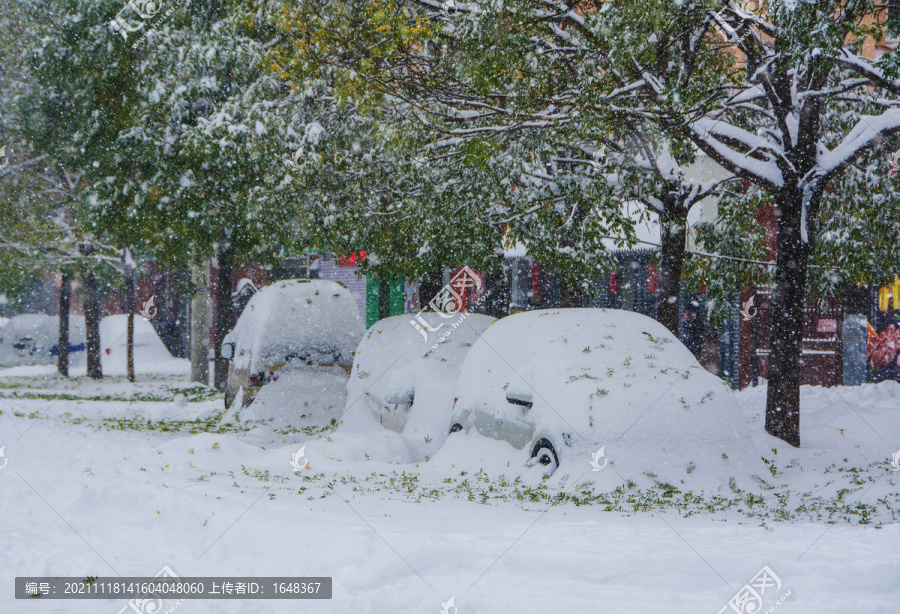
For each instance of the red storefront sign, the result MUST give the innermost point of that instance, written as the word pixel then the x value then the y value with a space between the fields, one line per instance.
pixel 351 258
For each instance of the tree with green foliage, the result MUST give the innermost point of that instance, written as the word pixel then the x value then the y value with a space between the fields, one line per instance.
pixel 168 126
pixel 44 224
pixel 783 99
pixel 545 123
pixel 794 112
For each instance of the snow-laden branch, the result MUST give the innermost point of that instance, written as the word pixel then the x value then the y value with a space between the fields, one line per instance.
pixel 852 61
pixel 863 134
pixel 705 132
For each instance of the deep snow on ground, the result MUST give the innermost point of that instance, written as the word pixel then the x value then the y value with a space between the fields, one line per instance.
pixel 112 478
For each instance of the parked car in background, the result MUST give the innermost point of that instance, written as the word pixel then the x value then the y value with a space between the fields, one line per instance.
pixel 564 383
pixel 290 323
pixel 404 383
pixel 150 353
pixel 33 339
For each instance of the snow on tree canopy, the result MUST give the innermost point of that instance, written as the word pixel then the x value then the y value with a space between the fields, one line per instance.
pixel 315 322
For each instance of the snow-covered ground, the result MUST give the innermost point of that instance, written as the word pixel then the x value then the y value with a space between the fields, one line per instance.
pixel 118 479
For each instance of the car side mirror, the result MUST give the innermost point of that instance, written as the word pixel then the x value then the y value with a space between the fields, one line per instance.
pixel 401 397
pixel 520 398
pixel 227 351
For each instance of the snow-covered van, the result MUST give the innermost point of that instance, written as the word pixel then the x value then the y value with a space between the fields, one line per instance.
pixel 290 323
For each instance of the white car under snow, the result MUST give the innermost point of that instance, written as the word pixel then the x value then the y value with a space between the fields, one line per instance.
pixel 406 385
pixel 595 385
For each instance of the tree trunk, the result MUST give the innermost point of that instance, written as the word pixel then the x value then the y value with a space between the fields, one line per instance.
pixel 200 325
pixel 670 267
pixel 129 309
pixel 224 312
pixel 430 285
pixel 497 303
pixel 92 315
pixel 65 289
pixel 788 298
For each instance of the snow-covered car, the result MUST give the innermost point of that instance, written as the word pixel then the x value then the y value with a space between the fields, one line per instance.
pixel 406 383
pixel 150 353
pixel 33 338
pixel 292 322
pixel 567 382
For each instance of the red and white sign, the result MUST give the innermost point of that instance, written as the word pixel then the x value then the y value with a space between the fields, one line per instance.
pixel 827 326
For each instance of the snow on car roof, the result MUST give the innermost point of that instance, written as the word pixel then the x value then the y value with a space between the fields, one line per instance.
pixel 293 316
